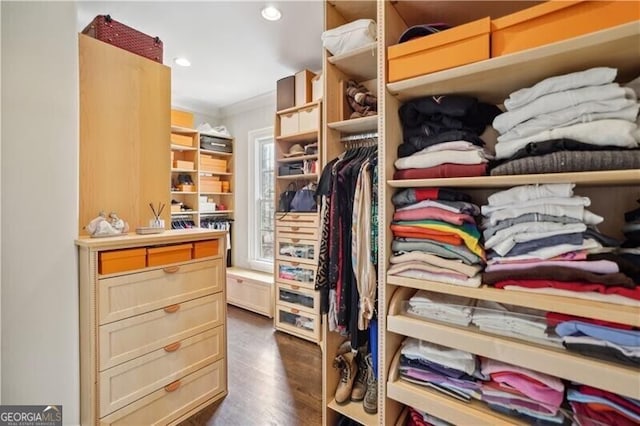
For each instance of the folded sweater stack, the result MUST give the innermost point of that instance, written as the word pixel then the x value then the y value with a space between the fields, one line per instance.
pixel 441 137
pixel 593 407
pixel 574 122
pixel 538 238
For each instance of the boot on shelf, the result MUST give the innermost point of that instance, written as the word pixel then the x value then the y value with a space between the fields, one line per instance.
pixel 370 403
pixel 348 371
pixel 360 384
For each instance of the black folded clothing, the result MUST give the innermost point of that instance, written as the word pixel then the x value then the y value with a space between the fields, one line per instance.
pixel 296 168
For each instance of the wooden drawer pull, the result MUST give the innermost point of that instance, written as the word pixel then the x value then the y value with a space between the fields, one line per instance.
pixel 295 311
pixel 295 216
pixel 171 309
pixel 171 269
pixel 172 347
pixel 295 240
pixel 239 281
pixel 173 386
pixel 295 228
pixel 295 263
pixel 295 287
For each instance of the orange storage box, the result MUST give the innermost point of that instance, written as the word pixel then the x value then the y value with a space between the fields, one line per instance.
pixel 208 163
pixel 554 21
pixel 182 140
pixel 181 164
pixel 110 262
pixel 206 248
pixel 212 186
pixel 181 118
pixel 158 256
pixel 451 48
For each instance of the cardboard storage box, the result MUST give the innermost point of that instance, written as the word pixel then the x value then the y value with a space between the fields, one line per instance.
pixel 181 118
pixel 211 164
pixel 303 87
pixel 205 248
pixel 317 87
pixel 451 48
pixel 182 140
pixel 285 93
pixel 110 262
pixel 211 186
pixel 288 124
pixel 157 256
pixel 308 119
pixel 181 164
pixel 554 21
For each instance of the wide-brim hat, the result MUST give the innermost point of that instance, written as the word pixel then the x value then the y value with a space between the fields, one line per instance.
pixel 295 149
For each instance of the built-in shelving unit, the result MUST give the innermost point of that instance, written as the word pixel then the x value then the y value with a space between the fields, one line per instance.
pixel 360 64
pixel 356 125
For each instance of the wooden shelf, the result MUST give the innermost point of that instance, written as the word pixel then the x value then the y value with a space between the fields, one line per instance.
pixel 183 213
pixel 355 411
pixel 208 172
pixel 298 108
pixel 183 130
pixel 184 170
pixel 603 178
pixel 221 154
pixel 360 64
pixel 356 125
pixel 299 137
pixel 556 362
pixel 298 177
pixel 567 305
pixel 216 193
pixel 437 404
pixel 216 212
pixel 299 158
pixel 184 192
pixel 176 147
pixel 494 79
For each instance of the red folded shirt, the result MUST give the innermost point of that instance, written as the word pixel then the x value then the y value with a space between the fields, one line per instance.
pixel 573 286
pixel 443 171
pixel 611 397
pixel 555 318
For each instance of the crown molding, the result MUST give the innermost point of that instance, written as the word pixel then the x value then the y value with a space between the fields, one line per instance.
pixel 260 101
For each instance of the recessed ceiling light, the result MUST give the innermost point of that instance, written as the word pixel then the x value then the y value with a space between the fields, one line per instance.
pixel 270 13
pixel 183 62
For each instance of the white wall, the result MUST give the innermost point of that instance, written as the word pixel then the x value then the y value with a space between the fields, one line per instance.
pixel 240 119
pixel 39 186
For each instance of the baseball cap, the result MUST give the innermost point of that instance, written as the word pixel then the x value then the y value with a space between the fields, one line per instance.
pixel 422 30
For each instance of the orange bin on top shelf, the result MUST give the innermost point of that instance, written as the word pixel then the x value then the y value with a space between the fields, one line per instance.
pixel 554 21
pixel 451 48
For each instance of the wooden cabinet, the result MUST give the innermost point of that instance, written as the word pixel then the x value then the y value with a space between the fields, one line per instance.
pixel 124 133
pixel 153 339
pixel 250 290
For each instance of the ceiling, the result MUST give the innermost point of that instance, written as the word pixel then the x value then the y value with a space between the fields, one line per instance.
pixel 235 53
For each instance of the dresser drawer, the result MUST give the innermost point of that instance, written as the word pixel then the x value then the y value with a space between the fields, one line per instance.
pixel 174 400
pixel 125 383
pixel 294 296
pixel 307 220
pixel 297 232
pixel 128 295
pixel 298 322
pixel 296 273
pixel 123 340
pixel 296 250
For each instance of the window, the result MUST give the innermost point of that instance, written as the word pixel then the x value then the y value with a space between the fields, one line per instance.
pixel 261 218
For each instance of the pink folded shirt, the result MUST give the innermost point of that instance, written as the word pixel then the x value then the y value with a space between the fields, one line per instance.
pixel 433 213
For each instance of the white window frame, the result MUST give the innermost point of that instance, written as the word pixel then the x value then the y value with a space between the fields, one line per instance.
pixel 254 138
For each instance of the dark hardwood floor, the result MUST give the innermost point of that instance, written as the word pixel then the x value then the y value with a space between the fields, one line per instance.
pixel 274 378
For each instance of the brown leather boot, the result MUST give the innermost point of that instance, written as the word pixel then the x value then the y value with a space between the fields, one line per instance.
pixel 348 371
pixel 360 384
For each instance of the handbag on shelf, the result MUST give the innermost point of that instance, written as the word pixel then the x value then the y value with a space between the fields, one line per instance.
pixel 286 198
pixel 304 200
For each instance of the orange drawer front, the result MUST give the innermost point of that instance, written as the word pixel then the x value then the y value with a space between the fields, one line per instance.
pixel 158 256
pixel 554 21
pixel 110 262
pixel 454 47
pixel 206 248
pixel 181 118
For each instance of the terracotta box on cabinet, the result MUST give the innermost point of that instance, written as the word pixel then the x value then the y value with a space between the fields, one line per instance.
pixel 454 47
pixel 205 249
pixel 554 21
pixel 110 262
pixel 158 256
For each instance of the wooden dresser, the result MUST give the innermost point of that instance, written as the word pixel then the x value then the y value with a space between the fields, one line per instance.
pixel 152 326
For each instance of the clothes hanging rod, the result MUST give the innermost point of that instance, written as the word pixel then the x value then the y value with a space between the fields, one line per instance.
pixel 359 136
